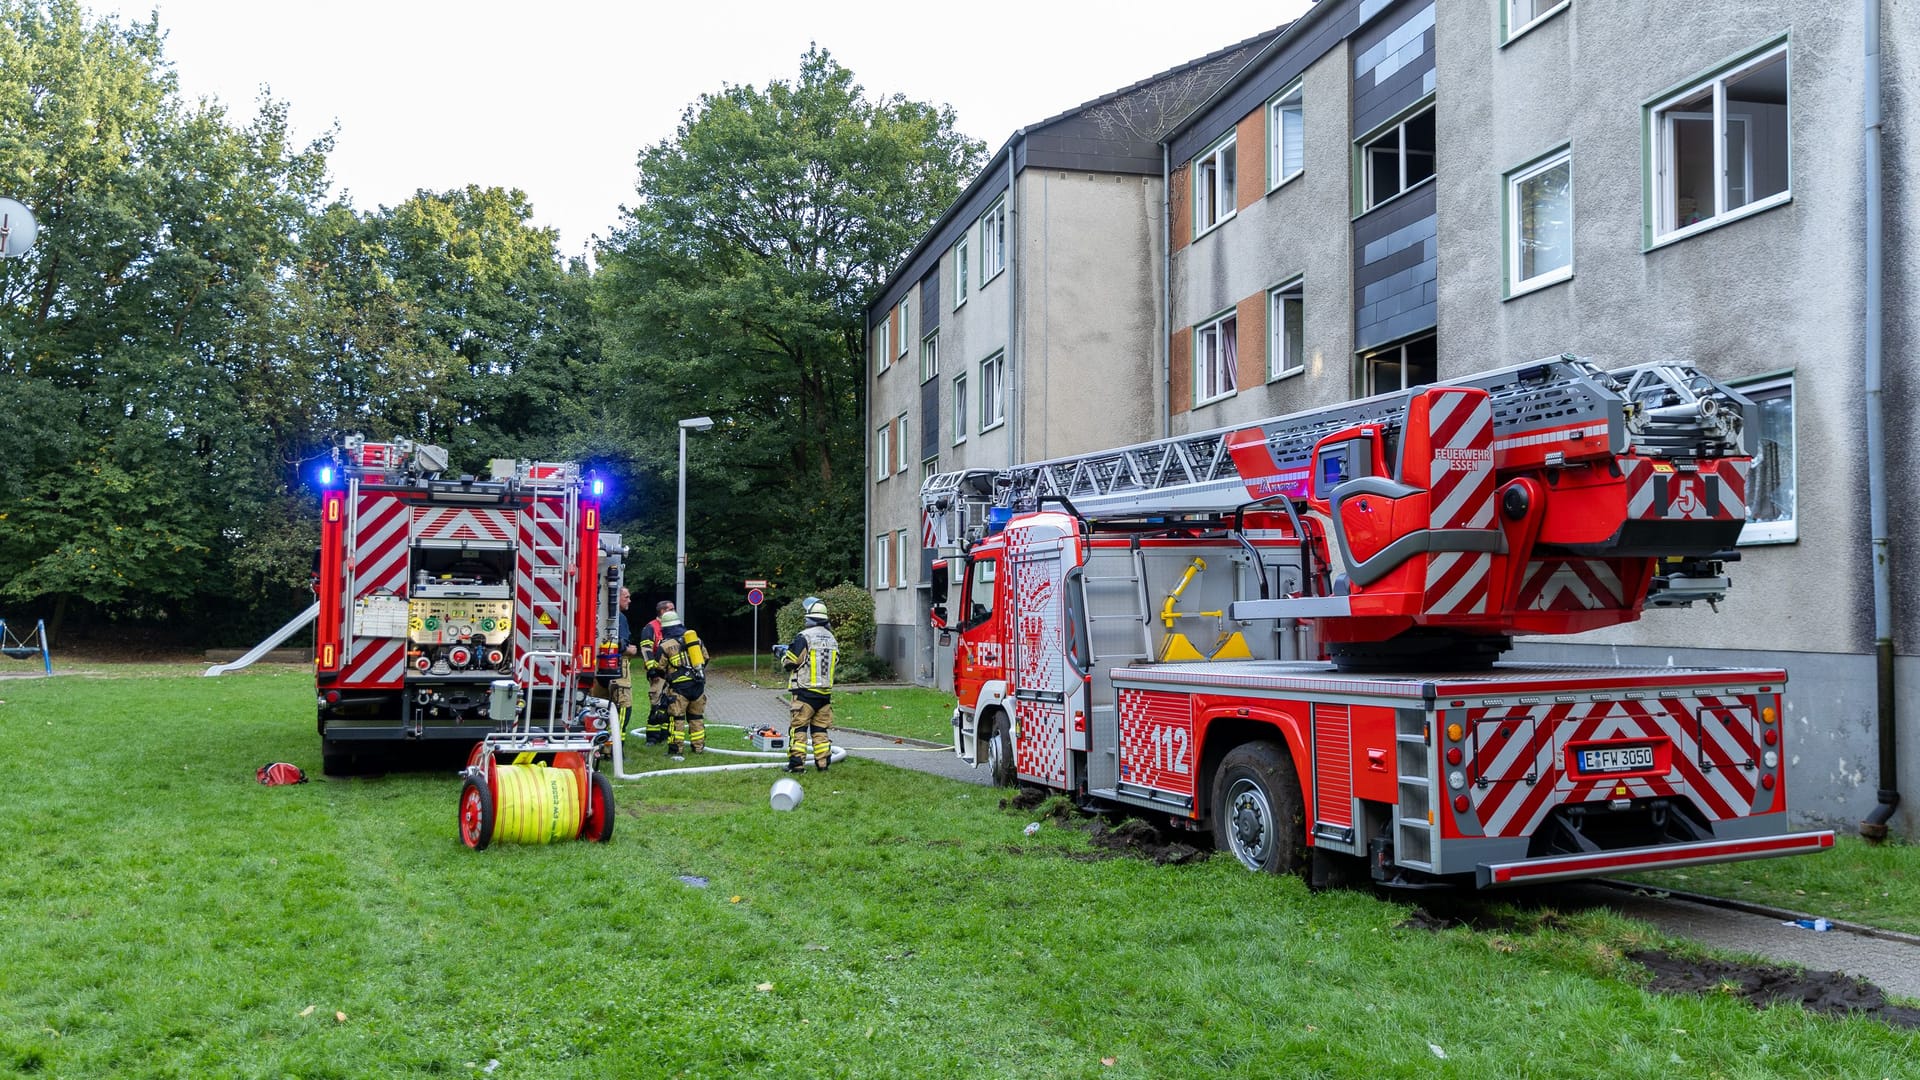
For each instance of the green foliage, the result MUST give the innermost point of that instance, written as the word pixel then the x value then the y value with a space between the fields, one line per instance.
pixel 182 920
pixel 734 289
pixel 849 616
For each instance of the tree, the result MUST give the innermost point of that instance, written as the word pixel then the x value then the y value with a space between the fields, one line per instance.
pixel 735 288
pixel 165 228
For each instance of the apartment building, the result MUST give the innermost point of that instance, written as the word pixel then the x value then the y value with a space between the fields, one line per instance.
pixel 1394 192
pixel 1019 325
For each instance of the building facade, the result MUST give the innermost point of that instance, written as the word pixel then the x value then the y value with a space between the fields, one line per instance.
pixel 1016 328
pixel 1392 193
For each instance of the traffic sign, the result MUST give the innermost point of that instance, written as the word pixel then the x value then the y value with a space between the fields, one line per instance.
pixel 755 596
pixel 756 583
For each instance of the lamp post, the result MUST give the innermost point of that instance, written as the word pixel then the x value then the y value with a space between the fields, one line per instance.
pixel 697 423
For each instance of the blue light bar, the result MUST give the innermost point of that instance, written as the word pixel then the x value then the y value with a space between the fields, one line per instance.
pixel 599 487
pixel 326 476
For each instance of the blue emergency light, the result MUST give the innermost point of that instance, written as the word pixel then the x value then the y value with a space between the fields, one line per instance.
pixel 326 476
pixel 599 487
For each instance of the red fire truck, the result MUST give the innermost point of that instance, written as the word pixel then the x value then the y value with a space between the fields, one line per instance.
pixel 1287 633
pixel 432 587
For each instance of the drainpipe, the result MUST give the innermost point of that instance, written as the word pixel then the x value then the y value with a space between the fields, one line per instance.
pixel 1015 401
pixel 1166 293
pixel 1875 826
pixel 866 463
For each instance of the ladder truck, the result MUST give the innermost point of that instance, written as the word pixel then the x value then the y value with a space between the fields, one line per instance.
pixel 433 588
pixel 1287 633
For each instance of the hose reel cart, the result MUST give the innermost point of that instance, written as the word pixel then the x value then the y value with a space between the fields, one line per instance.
pixel 537 784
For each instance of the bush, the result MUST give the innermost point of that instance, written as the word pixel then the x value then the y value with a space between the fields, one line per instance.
pixel 850 617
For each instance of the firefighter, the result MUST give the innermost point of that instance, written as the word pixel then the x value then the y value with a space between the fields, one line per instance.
pixel 658 722
pixel 680 662
pixel 809 659
pixel 623 685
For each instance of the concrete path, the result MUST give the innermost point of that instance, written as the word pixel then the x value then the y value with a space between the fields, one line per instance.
pixel 733 700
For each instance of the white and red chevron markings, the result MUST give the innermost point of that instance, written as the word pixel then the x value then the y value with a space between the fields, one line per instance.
pixel 1460 497
pixel 1715 491
pixel 462 523
pixel 1570 585
pixel 379 539
pixel 1712 738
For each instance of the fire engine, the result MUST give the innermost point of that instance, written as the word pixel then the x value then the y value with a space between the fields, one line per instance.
pixel 1288 632
pixel 433 588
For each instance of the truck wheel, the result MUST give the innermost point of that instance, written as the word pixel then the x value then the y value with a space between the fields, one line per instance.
pixel 335 760
pixel 598 825
pixel 1000 751
pixel 476 815
pixel 1258 813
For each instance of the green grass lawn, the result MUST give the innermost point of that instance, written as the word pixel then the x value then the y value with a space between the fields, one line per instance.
pixel 1874 884
pixel 161 914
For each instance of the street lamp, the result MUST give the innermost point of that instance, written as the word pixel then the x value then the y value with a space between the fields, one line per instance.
pixel 697 423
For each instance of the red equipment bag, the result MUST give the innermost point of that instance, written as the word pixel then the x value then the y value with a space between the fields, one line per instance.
pixel 278 773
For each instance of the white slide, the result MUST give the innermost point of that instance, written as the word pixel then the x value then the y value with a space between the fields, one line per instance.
pixel 299 622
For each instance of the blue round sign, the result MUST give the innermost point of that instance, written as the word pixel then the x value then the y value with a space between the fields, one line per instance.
pixel 754 596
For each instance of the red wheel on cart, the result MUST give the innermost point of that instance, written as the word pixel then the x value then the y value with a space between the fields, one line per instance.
pixel 476 815
pixel 598 825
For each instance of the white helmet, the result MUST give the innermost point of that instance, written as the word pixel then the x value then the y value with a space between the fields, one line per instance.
pixel 669 618
pixel 815 609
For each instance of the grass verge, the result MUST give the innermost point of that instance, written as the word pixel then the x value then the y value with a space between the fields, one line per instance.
pixel 1874 884
pixel 164 915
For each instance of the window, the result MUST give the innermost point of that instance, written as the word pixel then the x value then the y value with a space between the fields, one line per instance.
pixel 882 566
pixel 1286 134
pixel 960 408
pixel 1521 15
pixel 900 449
pixel 904 328
pixel 1770 502
pixel 980 577
pixel 1397 158
pixel 993 391
pixel 1285 355
pixel 883 451
pixel 1540 223
pixel 1397 367
pixel 882 352
pixel 1216 356
pixel 930 356
pixel 960 272
pixel 1213 175
pixel 1720 147
pixel 929 469
pixel 900 558
pixel 993 241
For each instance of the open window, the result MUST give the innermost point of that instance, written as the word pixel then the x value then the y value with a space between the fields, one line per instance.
pixel 978 595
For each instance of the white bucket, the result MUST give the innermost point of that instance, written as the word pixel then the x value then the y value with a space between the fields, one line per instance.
pixel 786 793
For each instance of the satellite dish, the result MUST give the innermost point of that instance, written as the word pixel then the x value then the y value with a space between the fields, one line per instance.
pixel 17 229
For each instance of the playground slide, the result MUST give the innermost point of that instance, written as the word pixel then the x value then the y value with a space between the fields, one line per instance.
pixel 278 636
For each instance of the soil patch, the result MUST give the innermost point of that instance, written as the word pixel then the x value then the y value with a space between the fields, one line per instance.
pixel 1129 838
pixel 1829 992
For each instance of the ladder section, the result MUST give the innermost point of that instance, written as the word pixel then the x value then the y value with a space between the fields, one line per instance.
pixel 1553 412
pixel 1117 600
pixel 1413 816
pixel 542 582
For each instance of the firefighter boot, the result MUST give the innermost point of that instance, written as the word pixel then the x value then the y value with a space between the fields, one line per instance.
pixel 696 733
pixel 822 750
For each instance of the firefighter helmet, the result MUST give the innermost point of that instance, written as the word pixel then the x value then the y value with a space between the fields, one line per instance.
pixel 670 618
pixel 815 609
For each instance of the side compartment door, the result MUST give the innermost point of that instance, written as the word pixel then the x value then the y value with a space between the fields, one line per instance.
pixel 1048 693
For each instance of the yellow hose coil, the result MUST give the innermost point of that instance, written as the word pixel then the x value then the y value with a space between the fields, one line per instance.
pixel 535 804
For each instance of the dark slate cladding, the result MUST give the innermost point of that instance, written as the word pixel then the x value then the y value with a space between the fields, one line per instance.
pixel 1394 269
pixel 1306 40
pixel 1392 64
pixel 930 304
pixel 929 418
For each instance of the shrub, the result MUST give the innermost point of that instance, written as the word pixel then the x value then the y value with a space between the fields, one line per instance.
pixel 850 617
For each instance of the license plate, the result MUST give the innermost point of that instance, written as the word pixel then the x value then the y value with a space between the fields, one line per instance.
pixel 1608 759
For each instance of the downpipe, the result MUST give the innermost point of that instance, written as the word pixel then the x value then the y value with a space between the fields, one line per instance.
pixel 1874 828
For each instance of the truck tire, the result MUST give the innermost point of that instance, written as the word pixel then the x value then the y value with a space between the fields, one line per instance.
pixel 335 760
pixel 1000 764
pixel 1258 814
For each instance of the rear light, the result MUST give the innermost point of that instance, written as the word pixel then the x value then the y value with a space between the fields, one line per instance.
pixel 333 697
pixel 1771 737
pixel 1453 755
pixel 1456 732
pixel 1767 715
pixel 1460 804
pixel 1456 779
pixel 1770 759
pixel 1766 781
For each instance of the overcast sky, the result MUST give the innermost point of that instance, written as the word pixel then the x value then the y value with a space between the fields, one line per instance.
pixel 556 97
